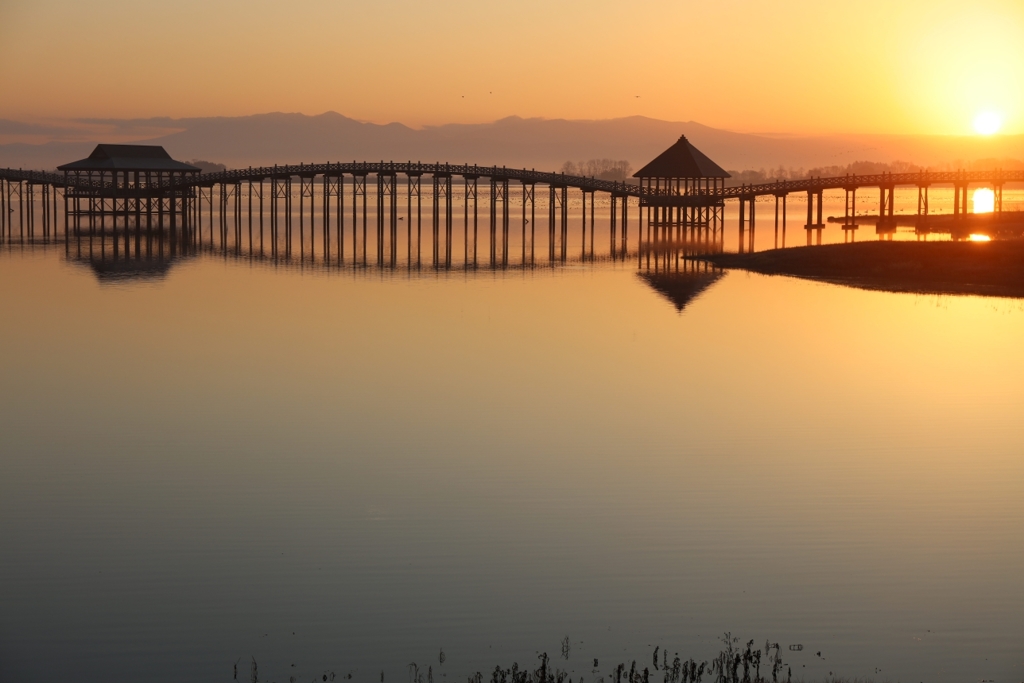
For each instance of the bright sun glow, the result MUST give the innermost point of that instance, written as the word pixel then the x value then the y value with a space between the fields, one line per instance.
pixel 988 123
pixel 980 238
pixel 984 200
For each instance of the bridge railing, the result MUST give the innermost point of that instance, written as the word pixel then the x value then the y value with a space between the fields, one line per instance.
pixel 37 177
pixel 530 177
pixel 921 178
pixel 418 168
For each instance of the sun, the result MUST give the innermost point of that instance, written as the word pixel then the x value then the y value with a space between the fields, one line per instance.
pixel 988 122
pixel 984 200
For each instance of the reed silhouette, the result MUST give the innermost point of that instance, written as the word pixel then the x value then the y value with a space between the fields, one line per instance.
pixel 735 662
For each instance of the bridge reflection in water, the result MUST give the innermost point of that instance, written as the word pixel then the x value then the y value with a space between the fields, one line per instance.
pixel 306 224
pixel 119 248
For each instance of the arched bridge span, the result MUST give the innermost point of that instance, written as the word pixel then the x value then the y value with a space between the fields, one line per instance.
pixel 691 214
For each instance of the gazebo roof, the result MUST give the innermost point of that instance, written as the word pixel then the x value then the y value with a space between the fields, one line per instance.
pixel 128 158
pixel 682 160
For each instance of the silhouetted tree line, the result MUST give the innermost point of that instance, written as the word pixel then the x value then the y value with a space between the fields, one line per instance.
pixel 756 177
pixel 207 166
pixel 604 169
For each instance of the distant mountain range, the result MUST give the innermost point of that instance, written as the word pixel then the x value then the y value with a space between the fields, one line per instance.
pixel 532 143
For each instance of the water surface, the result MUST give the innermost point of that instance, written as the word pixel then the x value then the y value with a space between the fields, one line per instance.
pixel 353 470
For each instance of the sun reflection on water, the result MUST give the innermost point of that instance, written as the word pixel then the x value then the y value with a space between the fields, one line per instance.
pixel 984 200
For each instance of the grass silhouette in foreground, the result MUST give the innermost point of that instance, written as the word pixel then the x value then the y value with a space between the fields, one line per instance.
pixel 733 664
pixel 980 268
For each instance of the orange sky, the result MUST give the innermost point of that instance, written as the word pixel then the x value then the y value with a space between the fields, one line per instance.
pixel 788 66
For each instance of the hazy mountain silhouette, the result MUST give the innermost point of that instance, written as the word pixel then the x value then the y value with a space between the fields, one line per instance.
pixel 513 141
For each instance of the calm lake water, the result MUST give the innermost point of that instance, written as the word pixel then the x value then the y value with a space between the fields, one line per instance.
pixel 351 471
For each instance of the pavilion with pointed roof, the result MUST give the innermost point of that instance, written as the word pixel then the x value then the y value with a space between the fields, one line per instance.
pixel 135 158
pixel 685 183
pixel 682 167
pixel 127 182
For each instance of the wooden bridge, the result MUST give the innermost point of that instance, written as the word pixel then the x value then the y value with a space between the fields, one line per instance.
pixel 271 204
pixel 676 206
pixel 885 183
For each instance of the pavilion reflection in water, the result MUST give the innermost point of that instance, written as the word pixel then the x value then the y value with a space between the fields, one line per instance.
pixel 146 265
pixel 677 272
pixel 683 286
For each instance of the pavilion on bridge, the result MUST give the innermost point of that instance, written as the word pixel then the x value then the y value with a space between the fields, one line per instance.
pixel 683 170
pixel 129 181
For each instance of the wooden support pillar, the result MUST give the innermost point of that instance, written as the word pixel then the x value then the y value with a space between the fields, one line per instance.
pixel 393 209
pixel 448 219
pixel 173 207
pixel 476 221
pixel 921 223
pixel 592 224
pixel 784 197
pixel 743 208
pixel 365 218
pixel 380 219
pixel 753 222
pixel 533 223
pixel 821 219
pixel 435 215
pixel 810 216
pixel 495 198
pixel 325 212
pixel 551 223
pixel 776 221
pixel 21 209
pixel 355 218
pixel 613 210
pixel 138 214
pixel 526 196
pixel 565 223
pixel 625 224
pixel 583 197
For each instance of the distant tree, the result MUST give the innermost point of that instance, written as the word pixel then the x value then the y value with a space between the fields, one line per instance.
pixel 751 177
pixel 208 166
pixel 603 169
pixel 761 176
pixel 1004 164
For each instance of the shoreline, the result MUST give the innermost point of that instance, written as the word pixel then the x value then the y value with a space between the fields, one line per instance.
pixel 961 268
